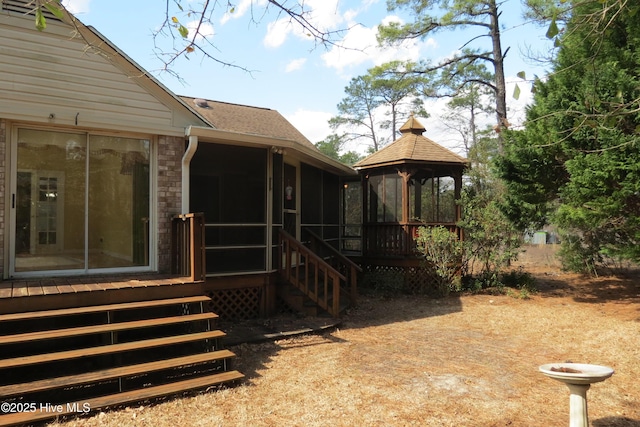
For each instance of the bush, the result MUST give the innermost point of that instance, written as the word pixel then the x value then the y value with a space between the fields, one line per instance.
pixel 444 253
pixel 579 256
pixel 516 279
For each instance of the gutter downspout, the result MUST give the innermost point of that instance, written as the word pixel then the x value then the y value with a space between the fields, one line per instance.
pixel 186 169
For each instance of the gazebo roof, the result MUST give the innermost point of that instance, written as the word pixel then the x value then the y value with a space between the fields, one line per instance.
pixel 412 148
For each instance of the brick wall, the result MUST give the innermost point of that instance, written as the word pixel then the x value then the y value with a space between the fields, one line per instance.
pixel 170 151
pixel 3 145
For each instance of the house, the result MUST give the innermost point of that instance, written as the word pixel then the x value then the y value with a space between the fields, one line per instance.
pixel 131 218
pixel 99 157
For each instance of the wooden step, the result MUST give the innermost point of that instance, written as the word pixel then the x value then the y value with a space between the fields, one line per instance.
pixel 297 300
pixel 121 398
pixel 103 328
pixel 113 373
pixel 191 366
pixel 103 308
pixel 109 349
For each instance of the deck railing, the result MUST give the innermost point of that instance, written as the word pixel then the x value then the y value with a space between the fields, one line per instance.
pixel 337 260
pixel 188 247
pixel 308 272
pixel 396 240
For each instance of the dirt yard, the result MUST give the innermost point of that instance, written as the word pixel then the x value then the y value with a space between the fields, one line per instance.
pixel 469 360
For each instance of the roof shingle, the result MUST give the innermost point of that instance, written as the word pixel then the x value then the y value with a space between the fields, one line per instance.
pixel 249 120
pixel 411 147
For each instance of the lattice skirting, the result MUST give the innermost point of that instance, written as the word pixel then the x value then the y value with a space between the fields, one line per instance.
pixel 407 279
pixel 237 304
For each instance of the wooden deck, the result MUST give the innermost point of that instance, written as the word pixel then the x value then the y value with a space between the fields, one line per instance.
pixel 70 285
pixel 59 292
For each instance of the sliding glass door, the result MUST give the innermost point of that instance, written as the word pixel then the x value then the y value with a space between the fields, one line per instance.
pixel 81 202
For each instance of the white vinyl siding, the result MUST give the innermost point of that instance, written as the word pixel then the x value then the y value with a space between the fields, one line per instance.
pixel 47 77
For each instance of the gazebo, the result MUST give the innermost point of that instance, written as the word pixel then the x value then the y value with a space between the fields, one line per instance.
pixel 412 182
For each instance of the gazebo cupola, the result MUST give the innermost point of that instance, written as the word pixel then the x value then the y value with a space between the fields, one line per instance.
pixel 409 183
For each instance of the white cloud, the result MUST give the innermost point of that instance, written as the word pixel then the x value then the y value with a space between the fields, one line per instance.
pixel 241 9
pixel 205 30
pixel 360 46
pixel 323 14
pixel 295 65
pixel 277 32
pixel 77 6
pixel 312 124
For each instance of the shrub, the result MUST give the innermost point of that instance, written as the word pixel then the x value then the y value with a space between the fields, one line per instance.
pixel 444 253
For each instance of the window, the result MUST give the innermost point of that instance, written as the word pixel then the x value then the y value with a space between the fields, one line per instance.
pixel 352 216
pixel 82 201
pixel 385 197
pixel 433 199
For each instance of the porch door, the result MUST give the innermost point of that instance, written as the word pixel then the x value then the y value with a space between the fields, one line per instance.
pixel 290 201
pixel 81 202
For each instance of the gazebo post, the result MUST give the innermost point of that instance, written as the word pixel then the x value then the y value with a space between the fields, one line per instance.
pixel 406 206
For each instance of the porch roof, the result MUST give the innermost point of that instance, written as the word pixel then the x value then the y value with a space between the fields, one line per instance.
pixel 247 125
pixel 412 147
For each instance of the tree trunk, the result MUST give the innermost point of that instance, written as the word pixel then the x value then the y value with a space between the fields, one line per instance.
pixel 498 63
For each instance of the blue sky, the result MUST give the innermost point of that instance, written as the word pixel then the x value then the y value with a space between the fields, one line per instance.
pixel 289 73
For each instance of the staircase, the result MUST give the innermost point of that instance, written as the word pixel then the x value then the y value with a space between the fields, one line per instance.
pixel 316 278
pixel 77 360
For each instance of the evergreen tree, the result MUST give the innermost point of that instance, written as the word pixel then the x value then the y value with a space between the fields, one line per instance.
pixel 577 163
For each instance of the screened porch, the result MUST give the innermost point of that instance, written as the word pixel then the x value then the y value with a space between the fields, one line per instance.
pixel 248 194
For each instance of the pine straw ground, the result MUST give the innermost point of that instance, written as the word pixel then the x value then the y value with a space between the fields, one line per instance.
pixel 466 360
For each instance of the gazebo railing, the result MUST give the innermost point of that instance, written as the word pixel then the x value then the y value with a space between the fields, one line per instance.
pixel 397 240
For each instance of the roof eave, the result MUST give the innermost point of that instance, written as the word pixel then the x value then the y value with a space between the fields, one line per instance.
pixel 238 138
pixel 405 162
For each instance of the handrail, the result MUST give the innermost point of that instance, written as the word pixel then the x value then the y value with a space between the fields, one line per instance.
pixel 333 250
pixel 350 268
pixel 310 283
pixel 188 247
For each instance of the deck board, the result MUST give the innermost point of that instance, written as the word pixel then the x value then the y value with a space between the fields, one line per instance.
pixel 93 287
pixel 35 289
pixel 53 286
pixel 64 287
pixel 80 287
pixel 96 403
pixel 107 286
pixel 22 288
pixel 103 308
pixel 49 287
pixel 104 328
pixel 6 289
